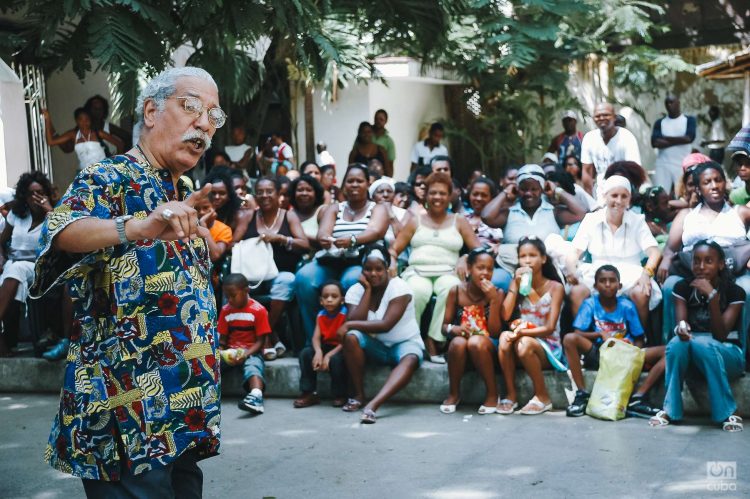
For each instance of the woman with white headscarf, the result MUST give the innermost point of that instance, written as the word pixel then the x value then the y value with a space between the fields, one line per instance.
pixel 382 192
pixel 616 236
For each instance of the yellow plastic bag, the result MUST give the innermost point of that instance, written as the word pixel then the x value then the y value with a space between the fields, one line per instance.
pixel 620 365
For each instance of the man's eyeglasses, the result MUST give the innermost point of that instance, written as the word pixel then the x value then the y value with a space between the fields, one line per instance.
pixel 193 105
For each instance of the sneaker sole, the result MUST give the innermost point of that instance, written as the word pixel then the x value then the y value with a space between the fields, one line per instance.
pixel 633 414
pixel 250 408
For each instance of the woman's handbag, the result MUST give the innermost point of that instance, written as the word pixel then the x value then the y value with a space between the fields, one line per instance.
pixel 339 258
pixel 736 258
pixel 253 258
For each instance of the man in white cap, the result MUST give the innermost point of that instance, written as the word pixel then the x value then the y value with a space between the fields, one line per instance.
pixel 568 143
pixel 603 146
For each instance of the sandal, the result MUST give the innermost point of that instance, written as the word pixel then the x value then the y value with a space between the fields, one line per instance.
pixel 339 402
pixel 660 419
pixel 368 417
pixel 449 408
pixel 535 407
pixel 732 424
pixel 269 354
pixel 506 406
pixel 437 359
pixel 487 409
pixel 352 405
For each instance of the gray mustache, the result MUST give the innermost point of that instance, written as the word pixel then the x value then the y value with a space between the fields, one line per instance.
pixel 197 134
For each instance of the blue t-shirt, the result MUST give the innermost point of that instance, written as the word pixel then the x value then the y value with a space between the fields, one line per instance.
pixel 592 317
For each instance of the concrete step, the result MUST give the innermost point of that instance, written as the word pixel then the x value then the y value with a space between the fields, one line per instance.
pixel 430 383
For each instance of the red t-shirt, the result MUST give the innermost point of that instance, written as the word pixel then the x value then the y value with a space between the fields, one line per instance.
pixel 329 324
pixel 243 326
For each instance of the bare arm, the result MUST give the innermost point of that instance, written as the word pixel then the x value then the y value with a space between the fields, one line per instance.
pixel 325 228
pixel 299 240
pixel 673 246
pixel 509 303
pixel 4 238
pixel 495 214
pixel 571 213
pixel 113 139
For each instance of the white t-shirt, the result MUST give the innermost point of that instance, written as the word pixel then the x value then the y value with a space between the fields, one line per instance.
pixel 585 198
pixel 24 241
pixel 420 150
pixel 236 153
pixel 672 156
pixel 406 328
pixel 283 151
pixel 625 246
pixel 621 147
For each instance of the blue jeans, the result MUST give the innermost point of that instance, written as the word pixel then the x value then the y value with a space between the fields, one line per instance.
pixel 181 478
pixel 669 322
pixel 307 285
pixel 717 362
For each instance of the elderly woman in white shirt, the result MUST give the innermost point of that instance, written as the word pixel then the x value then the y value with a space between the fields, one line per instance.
pixel 382 192
pixel 617 236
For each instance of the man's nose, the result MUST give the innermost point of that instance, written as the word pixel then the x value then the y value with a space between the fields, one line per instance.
pixel 202 123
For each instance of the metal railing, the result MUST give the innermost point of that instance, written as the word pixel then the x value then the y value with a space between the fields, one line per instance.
pixel 35 98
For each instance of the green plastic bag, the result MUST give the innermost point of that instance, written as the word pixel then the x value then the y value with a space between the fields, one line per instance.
pixel 620 365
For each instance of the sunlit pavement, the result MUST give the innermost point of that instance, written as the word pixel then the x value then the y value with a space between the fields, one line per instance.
pixel 414 451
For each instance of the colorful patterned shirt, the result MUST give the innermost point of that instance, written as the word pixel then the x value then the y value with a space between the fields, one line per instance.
pixel 141 382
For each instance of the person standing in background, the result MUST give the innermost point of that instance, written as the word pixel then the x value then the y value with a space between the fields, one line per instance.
pixel 717 136
pixel 569 141
pixel 383 139
pixel 424 150
pixel 672 136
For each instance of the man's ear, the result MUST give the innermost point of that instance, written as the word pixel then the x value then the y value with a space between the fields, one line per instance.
pixel 150 110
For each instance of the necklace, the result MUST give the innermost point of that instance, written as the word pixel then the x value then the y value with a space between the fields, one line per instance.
pixel 354 213
pixel 263 221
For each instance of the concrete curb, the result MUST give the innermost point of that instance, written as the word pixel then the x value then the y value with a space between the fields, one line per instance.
pixel 430 383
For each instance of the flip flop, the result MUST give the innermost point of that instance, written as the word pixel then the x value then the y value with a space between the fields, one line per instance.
pixel 506 402
pixel 352 405
pixel 535 407
pixel 437 359
pixel 449 408
pixel 368 417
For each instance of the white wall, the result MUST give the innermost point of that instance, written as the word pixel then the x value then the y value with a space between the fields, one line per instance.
pixel 65 93
pixel 14 141
pixel 410 105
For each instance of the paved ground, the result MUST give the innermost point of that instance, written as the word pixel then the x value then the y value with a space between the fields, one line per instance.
pixel 413 452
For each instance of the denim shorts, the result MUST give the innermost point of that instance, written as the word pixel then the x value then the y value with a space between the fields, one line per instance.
pixel 253 366
pixel 282 287
pixel 389 355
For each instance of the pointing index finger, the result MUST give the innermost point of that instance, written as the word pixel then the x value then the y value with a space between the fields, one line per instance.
pixel 198 196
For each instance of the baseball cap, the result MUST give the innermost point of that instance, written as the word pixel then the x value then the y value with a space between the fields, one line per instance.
pixel 569 113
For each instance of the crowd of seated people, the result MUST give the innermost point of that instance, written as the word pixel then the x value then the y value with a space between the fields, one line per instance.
pixel 532 270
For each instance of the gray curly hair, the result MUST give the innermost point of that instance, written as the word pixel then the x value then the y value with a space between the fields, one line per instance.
pixel 162 87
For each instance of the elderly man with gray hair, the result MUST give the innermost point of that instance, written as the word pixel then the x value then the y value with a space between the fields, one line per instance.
pixel 140 398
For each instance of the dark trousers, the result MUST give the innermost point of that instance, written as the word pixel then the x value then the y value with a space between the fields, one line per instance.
pixel 180 479
pixel 308 380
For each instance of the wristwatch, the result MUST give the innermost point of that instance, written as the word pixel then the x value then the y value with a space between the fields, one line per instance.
pixel 352 241
pixel 120 225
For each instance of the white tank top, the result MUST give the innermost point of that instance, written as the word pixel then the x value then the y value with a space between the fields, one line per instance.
pixel 88 151
pixel 726 228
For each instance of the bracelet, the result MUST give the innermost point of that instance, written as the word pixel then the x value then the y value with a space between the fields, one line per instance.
pixel 558 193
pixel 511 291
pixel 289 241
pixel 649 271
pixel 448 328
pixel 352 241
pixel 712 295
